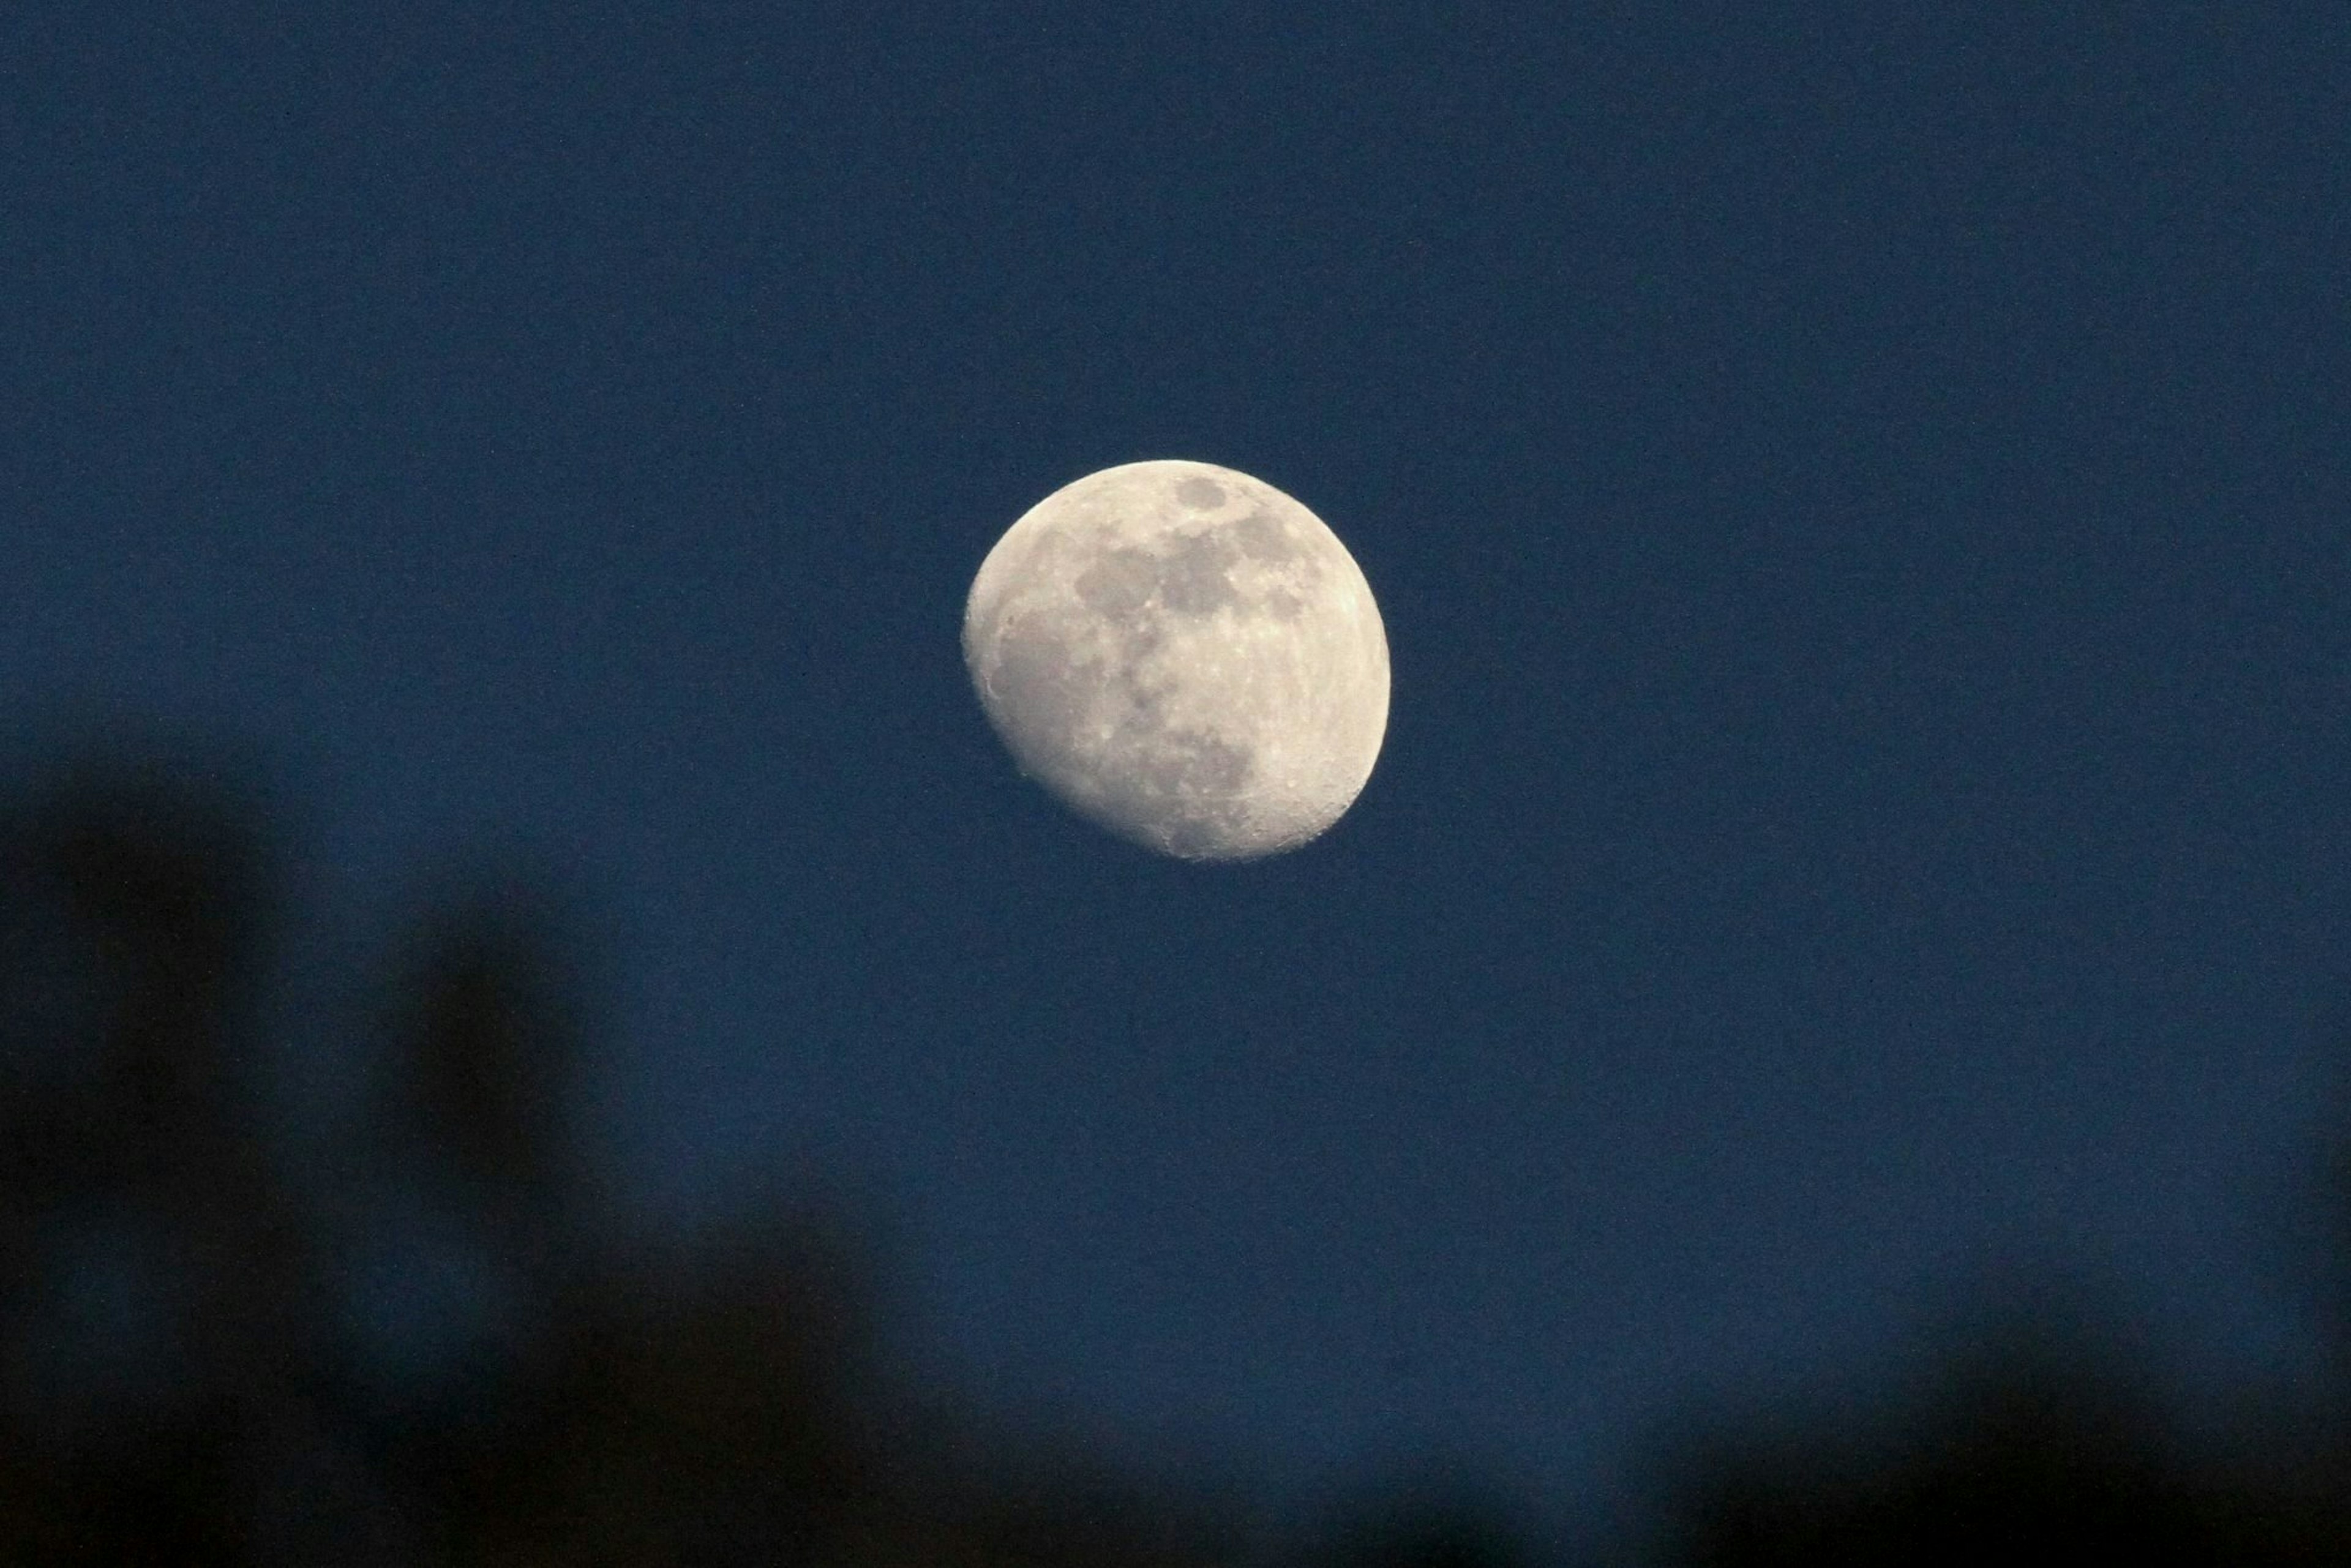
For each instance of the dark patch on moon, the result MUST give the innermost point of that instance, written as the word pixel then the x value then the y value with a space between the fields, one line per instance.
pixel 1192 576
pixel 1201 495
pixel 1260 538
pixel 1119 584
pixel 1195 575
pixel 1142 697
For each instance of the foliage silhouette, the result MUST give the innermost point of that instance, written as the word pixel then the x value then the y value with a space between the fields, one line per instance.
pixel 188 1375
pixel 2031 1439
pixel 215 1345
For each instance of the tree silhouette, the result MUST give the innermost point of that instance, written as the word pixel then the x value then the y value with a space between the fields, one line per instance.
pixel 2030 1441
pixel 201 1350
pixel 183 1380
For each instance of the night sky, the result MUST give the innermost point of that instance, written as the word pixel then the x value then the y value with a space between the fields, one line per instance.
pixel 1857 495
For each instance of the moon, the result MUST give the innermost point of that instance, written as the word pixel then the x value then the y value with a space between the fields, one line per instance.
pixel 1184 654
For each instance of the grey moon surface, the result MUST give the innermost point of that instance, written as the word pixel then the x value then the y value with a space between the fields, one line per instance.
pixel 1184 654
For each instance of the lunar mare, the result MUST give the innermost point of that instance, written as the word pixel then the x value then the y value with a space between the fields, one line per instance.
pixel 1185 655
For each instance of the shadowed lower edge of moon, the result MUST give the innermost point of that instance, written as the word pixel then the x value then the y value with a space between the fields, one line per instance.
pixel 1184 791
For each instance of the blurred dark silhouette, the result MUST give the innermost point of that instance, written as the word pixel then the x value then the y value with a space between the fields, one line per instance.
pixel 2031 1446
pixel 411 1343
pixel 2035 1435
pixel 407 1345
pixel 1407 1526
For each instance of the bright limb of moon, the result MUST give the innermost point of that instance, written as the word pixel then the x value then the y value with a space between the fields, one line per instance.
pixel 1185 655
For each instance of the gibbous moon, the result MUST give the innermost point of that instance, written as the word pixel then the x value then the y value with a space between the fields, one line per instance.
pixel 1184 654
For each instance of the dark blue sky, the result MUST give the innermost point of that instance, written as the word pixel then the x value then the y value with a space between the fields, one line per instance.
pixel 1858 496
